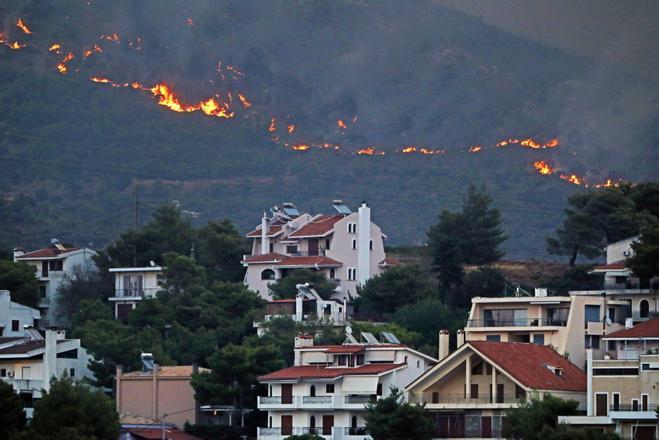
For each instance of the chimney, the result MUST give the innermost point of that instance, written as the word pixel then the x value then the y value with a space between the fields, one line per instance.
pixel 363 244
pixel 443 344
pixel 50 356
pixel 589 382
pixel 265 241
pixel 629 322
pixel 18 251
pixel 299 304
pixel 461 338
pixel 301 341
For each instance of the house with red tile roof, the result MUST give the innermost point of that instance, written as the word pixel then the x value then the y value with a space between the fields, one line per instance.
pixel 327 388
pixel 347 247
pixel 52 265
pixel 468 392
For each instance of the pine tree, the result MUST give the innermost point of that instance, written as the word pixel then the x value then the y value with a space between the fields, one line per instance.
pixel 12 417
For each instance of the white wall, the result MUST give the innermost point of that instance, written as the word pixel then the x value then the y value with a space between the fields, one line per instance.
pixel 10 311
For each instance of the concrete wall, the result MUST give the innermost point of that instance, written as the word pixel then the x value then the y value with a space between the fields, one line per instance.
pixel 11 311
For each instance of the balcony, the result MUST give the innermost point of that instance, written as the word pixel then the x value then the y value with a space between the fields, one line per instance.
pixel 525 322
pixel 356 402
pixel 317 401
pixel 435 400
pixel 633 412
pixel 333 433
pixel 123 294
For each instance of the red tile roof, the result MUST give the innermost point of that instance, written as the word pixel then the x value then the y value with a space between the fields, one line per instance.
pixel 318 227
pixel 156 434
pixel 48 252
pixel 616 265
pixel 274 230
pixel 24 347
pixel 528 363
pixel 345 349
pixel 264 258
pixel 389 261
pixel 647 329
pixel 319 372
pixel 309 261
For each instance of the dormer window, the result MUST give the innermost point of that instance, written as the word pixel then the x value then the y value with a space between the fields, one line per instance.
pixel 557 371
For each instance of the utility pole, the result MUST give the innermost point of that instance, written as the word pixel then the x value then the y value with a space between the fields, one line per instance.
pixel 136 206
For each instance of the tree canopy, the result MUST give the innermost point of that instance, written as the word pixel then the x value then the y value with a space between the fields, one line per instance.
pixel 645 261
pixel 285 287
pixel 393 418
pixel 12 416
pixel 19 278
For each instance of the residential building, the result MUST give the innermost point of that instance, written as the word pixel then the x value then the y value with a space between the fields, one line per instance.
pixel 52 265
pixel 570 323
pixel 622 394
pixel 326 390
pixel 347 247
pixel 132 285
pixel 14 317
pixel 306 307
pixel 165 394
pixel 641 294
pixel 30 361
pixel 468 392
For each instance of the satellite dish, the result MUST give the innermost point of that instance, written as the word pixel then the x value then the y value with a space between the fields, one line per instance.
pixel 348 329
pixel 54 241
pixel 608 321
pixel 152 263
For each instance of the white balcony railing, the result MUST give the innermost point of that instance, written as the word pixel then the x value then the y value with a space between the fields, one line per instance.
pixel 356 402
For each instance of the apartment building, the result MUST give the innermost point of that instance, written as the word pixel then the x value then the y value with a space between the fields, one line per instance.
pixel 347 247
pixel 622 394
pixel 468 392
pixel 14 317
pixel 306 307
pixel 29 362
pixel 641 294
pixel 132 285
pixel 326 390
pixel 52 265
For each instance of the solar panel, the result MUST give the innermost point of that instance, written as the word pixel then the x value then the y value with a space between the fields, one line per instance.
pixel 390 337
pixel 369 338
pixel 342 209
pixel 351 339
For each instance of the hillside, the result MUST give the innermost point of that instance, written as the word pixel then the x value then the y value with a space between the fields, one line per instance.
pixel 365 77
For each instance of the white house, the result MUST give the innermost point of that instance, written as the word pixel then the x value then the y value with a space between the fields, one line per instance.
pixel 15 317
pixel 346 246
pixel 52 264
pixel 132 285
pixel 326 391
pixel 29 362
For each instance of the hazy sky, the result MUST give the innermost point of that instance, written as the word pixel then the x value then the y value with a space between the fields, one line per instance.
pixel 620 30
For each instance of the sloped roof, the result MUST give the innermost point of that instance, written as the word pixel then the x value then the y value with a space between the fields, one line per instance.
pixel 47 252
pixel 285 260
pixel 24 347
pixel 527 363
pixel 616 265
pixel 389 261
pixel 156 434
pixel 264 258
pixel 318 227
pixel 272 231
pixel 320 372
pixel 647 329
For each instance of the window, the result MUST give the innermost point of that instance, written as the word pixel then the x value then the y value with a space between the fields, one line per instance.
pixel 352 228
pixel 3 372
pixel 15 325
pixel 370 245
pixel 291 249
pixel 644 402
pixel 539 339
pixel 405 361
pixel 474 391
pixel 477 369
pixel 379 390
pixel 360 359
pixel 634 404
pixel 332 273
pixel 591 314
pixel 558 316
pixel 327 244
pixel 505 318
pixel 56 265
pixel 615 371
pixel 272 247
pixel 42 291
pixel 520 393
pixel 329 388
pixel 592 341
pixel 160 279
pixel 644 308
pixel 342 360
pixel 616 401
pixel 354 243
pixel 352 273
pixel 72 372
pixel 489 369
pixel 435 397
pixel 493 338
pixel 312 391
pixel 268 274
pixel 418 364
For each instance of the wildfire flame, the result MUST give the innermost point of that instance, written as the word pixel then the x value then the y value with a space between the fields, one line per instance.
pixel 211 106
pixel 572 178
pixel 55 48
pixel 244 101
pixel 189 22
pixel 300 147
pixel 22 26
pixel 291 129
pixel 100 79
pixel 94 49
pixel 610 184
pixel 408 150
pixel 370 151
pixel 62 67
pixel 16 45
pixel 543 167
pixel 341 124
pixel 273 125
pixel 110 37
pixel 475 149
pixel 529 143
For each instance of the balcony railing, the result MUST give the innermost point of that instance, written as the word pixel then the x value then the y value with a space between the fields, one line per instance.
pixel 441 399
pixel 320 252
pixel 317 400
pixel 270 400
pixel 360 400
pixel 358 430
pixel 633 407
pixel 136 293
pixel 524 322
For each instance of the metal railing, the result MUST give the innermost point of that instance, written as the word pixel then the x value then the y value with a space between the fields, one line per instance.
pixel 441 398
pixel 270 400
pixel 136 293
pixel 522 322
pixel 317 400
pixel 633 407
pixel 357 430
pixel 360 400
pixel 321 252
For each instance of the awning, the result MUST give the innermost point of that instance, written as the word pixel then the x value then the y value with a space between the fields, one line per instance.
pixel 360 384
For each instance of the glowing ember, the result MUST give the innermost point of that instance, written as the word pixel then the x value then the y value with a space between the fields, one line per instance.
pixel 430 152
pixel 94 49
pixel 189 22
pixel 291 129
pixel 244 101
pixel 370 151
pixel 62 67
pixel 341 124
pixel 408 150
pixel 273 125
pixel 543 167
pixel 16 45
pixel 552 143
pixel 475 149
pixel 168 99
pixel 100 79
pixel 572 178
pixel 136 85
pixel 55 48
pixel 23 27
pixel 300 147
pixel 610 184
pixel 213 108
pixel 110 37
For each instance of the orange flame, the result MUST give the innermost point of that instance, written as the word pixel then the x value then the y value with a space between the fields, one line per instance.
pixel 370 151
pixel 62 67
pixel 552 143
pixel 55 48
pixel 572 178
pixel 110 37
pixel 16 45
pixel 273 125
pixel 291 129
pixel 22 26
pixel 300 147
pixel 530 143
pixel 341 124
pixel 609 184
pixel 94 49
pixel 189 22
pixel 167 98
pixel 136 85
pixel 543 167
pixel 475 149
pixel 430 152
pixel 408 150
pixel 100 79
pixel 245 102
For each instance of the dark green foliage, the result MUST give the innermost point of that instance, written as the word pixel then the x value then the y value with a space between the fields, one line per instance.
pixel 393 418
pixel 577 278
pixel 220 251
pixel 427 318
pixel 12 417
pixel 285 287
pixel 395 287
pixel 481 233
pixel 71 410
pixel 447 257
pixel 20 280
pixel 216 432
pixel 532 420
pixel 407 337
pixel 645 261
pixel 594 219
pixel 83 284
pixel 485 282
